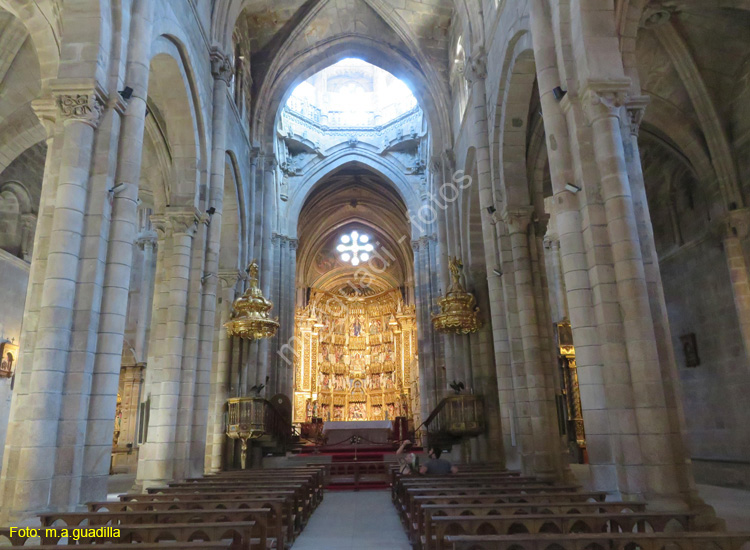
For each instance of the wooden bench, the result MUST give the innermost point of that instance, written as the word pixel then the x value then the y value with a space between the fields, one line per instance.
pixel 509 494
pixel 302 508
pixel 196 545
pixel 425 512
pixel 240 533
pixel 563 524
pixel 267 520
pixel 598 541
pixel 292 515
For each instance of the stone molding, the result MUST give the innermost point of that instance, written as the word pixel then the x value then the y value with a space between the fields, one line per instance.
pixel 45 109
pixel 221 66
pixel 159 224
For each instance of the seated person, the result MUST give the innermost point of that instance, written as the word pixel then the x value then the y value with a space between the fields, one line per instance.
pixel 437 465
pixel 409 464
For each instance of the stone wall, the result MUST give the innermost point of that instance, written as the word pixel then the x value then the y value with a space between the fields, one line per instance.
pixel 14 274
pixel 699 300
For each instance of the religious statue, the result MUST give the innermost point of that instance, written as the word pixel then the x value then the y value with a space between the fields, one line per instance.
pixel 356 327
pixel 456 266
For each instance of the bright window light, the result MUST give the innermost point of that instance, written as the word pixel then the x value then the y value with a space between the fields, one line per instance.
pixel 355 248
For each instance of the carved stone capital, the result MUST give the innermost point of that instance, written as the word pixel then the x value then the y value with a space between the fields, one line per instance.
pixel 183 221
pixel 603 99
pixel 147 239
pixel 293 244
pixel 159 224
pixel 270 163
pixel 254 155
pixel 45 109
pixel 476 67
pixel 655 16
pixel 636 107
pixel 229 278
pixel 221 65
pixel 517 219
pixel 28 221
pixel 415 245
pixel 734 224
pixel 80 107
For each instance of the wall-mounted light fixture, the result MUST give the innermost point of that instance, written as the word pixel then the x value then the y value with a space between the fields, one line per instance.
pixel 572 187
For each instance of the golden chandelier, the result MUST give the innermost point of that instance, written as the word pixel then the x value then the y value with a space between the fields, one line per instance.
pixel 250 319
pixel 458 311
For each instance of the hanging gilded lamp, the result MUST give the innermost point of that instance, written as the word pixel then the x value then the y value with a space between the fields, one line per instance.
pixel 458 311
pixel 250 315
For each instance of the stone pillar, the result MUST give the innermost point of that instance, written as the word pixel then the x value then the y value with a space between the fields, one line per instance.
pixel 122 235
pixel 156 464
pixel 252 205
pixel 601 415
pixel 220 382
pixel 650 469
pixel 147 243
pixel 268 215
pixel 542 456
pixel 29 463
pixel 221 69
pixel 670 377
pixel 475 73
pixel 733 230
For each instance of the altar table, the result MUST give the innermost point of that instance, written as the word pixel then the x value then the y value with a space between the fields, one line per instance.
pixel 371 431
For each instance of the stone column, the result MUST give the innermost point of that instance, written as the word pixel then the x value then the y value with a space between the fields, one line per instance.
pixel 475 73
pixel 157 461
pixel 122 235
pixel 220 383
pixel 542 455
pixel 252 204
pixel 733 230
pixel 651 471
pixel 147 243
pixel 268 215
pixel 30 468
pixel 636 107
pixel 221 69
pixel 601 416
pixel 428 391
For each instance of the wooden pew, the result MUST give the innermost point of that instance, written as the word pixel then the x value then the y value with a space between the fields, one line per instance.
pixel 425 512
pixel 549 523
pixel 511 494
pixel 611 541
pixel 301 506
pixel 241 534
pixel 292 514
pixel 265 518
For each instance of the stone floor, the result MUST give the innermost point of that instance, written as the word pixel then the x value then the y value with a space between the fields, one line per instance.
pixel 731 504
pixel 346 520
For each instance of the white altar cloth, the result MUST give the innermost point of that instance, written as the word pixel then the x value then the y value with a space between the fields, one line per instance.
pixel 374 431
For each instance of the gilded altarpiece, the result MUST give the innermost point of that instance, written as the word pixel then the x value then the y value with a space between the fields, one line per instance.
pixel 355 357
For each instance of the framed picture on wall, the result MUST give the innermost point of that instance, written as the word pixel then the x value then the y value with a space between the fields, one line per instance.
pixel 690 350
pixel 8 358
